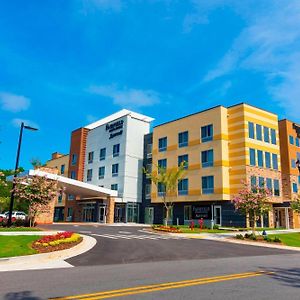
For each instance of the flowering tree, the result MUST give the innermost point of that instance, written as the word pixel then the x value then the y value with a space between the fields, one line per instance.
pixel 166 181
pixel 252 202
pixel 37 192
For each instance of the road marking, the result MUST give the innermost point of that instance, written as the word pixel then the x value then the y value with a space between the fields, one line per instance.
pixel 85 231
pixel 163 286
pixel 106 236
pixel 125 232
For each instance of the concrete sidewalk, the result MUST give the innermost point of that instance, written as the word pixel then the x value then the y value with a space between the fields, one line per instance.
pixel 50 260
pixel 95 224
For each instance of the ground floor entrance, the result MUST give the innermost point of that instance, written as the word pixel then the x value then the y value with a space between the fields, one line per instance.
pixel 58 214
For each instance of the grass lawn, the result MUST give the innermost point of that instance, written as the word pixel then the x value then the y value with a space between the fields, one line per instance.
pixel 289 239
pixel 19 229
pixel 17 245
pixel 186 229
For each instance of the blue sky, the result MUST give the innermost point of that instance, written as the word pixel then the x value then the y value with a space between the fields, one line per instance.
pixel 65 64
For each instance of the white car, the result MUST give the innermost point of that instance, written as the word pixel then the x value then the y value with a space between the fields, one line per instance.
pixel 16 215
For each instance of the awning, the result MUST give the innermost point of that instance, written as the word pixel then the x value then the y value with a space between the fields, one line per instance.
pixel 76 187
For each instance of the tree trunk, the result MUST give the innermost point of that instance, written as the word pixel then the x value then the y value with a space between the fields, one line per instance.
pixel 247 220
pixel 254 223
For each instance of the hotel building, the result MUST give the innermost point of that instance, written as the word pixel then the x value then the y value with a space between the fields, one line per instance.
pixel 289 133
pixel 222 147
pixel 109 154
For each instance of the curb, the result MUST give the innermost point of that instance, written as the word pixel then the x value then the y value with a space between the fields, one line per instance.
pixel 49 260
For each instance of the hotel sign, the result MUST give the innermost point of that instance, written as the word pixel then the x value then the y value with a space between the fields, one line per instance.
pixel 297 129
pixel 199 212
pixel 115 128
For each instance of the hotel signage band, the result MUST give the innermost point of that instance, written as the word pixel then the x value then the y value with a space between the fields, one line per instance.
pixel 114 127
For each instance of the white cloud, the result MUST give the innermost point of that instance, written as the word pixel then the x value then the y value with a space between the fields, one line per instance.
pixel 91 118
pixel 13 103
pixel 269 44
pixel 17 122
pixel 127 97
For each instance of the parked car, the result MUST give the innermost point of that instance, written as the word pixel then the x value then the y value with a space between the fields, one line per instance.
pixel 16 215
pixel 2 217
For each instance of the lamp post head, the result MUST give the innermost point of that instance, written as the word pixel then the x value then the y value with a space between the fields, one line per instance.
pixel 30 128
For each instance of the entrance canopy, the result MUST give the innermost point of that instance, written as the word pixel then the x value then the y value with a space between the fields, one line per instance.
pixel 75 187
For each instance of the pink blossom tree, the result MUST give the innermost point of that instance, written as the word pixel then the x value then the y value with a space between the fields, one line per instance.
pixel 37 192
pixel 252 202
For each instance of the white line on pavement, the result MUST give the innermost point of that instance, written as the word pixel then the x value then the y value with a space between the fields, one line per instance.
pixel 106 236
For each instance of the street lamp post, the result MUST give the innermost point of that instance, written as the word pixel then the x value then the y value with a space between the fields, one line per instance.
pixel 12 196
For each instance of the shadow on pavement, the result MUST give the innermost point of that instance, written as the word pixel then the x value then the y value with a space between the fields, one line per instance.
pixel 289 277
pixel 25 295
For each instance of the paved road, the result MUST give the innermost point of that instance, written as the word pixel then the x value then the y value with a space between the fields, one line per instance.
pixel 119 245
pixel 129 258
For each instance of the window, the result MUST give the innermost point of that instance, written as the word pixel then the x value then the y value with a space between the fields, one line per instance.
pixel 253 182
pixel 298 155
pixel 276 187
pixel 293 163
pixel 116 150
pixel 258 132
pixel 102 154
pixel 101 172
pixel 295 188
pixel 162 144
pixel 90 157
pixel 89 175
pixel 207 158
pixel 291 139
pixel 261 182
pixel 183 159
pixel 70 212
pixel 268 160
pixel 115 170
pixel 187 212
pixel 273 136
pixel 252 157
pixel 62 169
pixel 275 161
pixel 207 133
pixel 71 197
pixel 269 184
pixel 260 158
pixel 183 187
pixel 266 134
pixel 183 139
pixel 299 179
pixel 161 189
pixel 208 184
pixel 114 187
pixel 73 175
pixel 251 130
pixel 59 199
pixel 149 150
pixel 162 163
pixel 148 170
pixel 74 159
pixel 148 190
pixel 297 142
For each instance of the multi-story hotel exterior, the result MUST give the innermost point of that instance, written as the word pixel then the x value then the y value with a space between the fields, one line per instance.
pixel 223 147
pixel 289 133
pixel 109 154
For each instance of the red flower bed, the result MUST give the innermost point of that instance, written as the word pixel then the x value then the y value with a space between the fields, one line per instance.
pixel 52 238
pixel 167 229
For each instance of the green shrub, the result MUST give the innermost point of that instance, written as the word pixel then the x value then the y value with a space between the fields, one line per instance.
pixel 267 239
pixel 252 237
pixel 216 227
pixel 277 239
pixel 239 237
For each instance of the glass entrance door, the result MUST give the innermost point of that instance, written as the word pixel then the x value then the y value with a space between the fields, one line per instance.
pixel 217 215
pixel 102 214
pixel 149 215
pixel 88 214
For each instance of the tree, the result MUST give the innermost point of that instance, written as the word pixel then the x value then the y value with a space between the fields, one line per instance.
pixel 5 191
pixel 36 163
pixel 166 181
pixel 37 192
pixel 253 202
pixel 295 205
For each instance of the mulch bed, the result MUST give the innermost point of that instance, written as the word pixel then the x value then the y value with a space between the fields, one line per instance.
pixel 63 246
